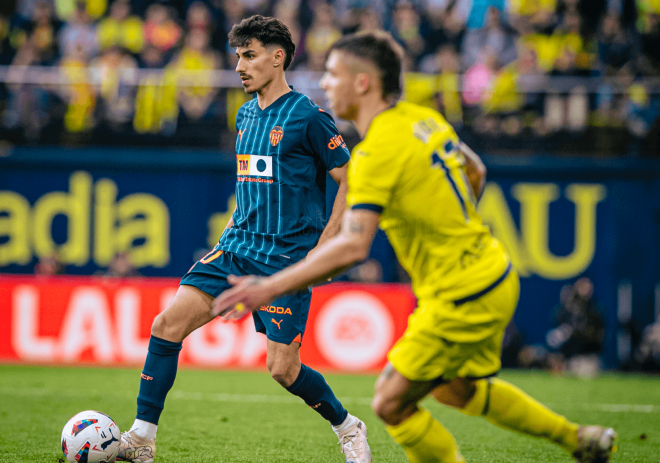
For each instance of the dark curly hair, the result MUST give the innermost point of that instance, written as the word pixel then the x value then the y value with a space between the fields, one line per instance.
pixel 268 31
pixel 379 48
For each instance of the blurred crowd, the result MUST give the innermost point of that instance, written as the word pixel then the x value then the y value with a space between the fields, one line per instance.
pixel 483 63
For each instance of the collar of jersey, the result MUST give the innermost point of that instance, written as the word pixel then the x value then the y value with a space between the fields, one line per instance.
pixel 274 105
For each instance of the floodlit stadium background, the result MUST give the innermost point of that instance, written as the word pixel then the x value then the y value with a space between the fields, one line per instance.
pixel 117 172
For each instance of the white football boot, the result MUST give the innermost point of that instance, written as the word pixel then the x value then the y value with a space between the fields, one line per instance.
pixel 595 444
pixel 354 443
pixel 136 450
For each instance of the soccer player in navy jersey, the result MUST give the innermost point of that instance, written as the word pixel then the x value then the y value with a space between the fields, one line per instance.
pixel 285 146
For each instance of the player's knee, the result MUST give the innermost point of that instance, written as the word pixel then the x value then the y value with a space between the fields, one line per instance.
pixel 390 410
pixel 457 393
pixel 463 391
pixel 164 329
pixel 476 401
pixel 282 373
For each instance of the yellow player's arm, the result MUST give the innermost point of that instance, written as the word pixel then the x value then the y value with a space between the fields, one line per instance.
pixel 350 246
pixel 333 226
pixel 347 248
pixel 475 169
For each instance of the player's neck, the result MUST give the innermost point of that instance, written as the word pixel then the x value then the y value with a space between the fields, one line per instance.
pixel 368 109
pixel 272 91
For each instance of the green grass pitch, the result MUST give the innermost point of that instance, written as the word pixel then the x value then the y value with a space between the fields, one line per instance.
pixel 236 416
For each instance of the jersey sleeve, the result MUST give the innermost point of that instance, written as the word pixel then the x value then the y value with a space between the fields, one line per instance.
pixel 324 139
pixel 239 117
pixel 373 176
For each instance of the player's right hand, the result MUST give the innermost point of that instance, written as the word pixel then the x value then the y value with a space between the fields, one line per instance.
pixel 247 295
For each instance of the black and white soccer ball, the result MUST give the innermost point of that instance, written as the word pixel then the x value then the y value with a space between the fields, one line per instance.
pixel 90 437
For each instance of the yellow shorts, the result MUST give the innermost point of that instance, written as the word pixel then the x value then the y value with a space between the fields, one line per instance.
pixel 446 340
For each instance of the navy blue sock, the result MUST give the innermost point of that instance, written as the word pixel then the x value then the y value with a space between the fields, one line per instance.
pixel 157 378
pixel 312 388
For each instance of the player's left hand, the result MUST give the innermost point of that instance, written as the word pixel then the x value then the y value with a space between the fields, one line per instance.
pixel 248 294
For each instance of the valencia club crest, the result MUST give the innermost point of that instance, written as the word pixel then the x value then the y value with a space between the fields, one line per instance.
pixel 276 135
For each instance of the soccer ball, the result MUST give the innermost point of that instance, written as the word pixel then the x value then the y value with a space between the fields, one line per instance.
pixel 90 437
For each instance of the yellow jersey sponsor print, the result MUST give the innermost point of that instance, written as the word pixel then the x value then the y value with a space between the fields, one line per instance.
pixel 409 167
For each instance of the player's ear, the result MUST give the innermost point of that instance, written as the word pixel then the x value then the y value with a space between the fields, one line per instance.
pixel 278 58
pixel 362 83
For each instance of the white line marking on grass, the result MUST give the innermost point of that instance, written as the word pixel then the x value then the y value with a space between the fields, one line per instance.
pixel 289 399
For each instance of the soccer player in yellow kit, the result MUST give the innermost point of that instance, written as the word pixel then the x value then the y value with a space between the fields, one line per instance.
pixel 412 176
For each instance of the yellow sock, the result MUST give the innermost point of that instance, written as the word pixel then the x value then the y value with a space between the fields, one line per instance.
pixel 425 440
pixel 506 406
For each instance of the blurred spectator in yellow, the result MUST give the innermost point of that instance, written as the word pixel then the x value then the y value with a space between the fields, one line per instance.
pixel 79 93
pixel 324 30
pixel 569 40
pixel 49 265
pixel 79 36
pixel 406 28
pixel 155 101
pixel 121 29
pixel 438 85
pixel 323 33
pixel 160 30
pixel 532 15
pixel 503 99
pixel 6 50
pixel 647 15
pixel 193 67
pixel 43 30
pixel 116 70
pixel 66 9
pixel 527 67
pixel 642 110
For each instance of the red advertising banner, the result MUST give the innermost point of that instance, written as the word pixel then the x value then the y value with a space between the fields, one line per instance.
pixel 107 321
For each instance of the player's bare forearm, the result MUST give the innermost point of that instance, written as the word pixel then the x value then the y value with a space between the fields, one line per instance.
pixel 334 222
pixel 334 256
pixel 475 169
pixel 350 246
pixel 230 222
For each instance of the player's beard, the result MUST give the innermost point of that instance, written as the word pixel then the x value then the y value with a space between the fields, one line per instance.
pixel 251 90
pixel 349 112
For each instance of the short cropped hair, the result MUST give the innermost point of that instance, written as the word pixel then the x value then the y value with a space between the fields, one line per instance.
pixel 380 49
pixel 268 31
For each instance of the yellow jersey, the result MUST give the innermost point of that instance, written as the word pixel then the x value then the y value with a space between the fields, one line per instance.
pixel 409 168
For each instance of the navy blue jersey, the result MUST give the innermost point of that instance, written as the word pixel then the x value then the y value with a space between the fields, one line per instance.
pixel 282 155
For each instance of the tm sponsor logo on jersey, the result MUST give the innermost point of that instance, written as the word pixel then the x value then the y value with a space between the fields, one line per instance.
pixel 336 141
pixel 253 165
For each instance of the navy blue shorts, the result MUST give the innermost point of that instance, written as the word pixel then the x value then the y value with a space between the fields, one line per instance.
pixel 282 321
